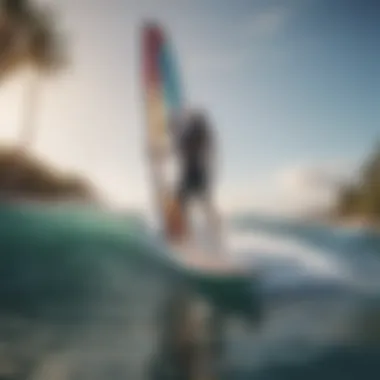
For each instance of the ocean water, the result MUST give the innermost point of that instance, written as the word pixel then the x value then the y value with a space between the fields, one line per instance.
pixel 86 294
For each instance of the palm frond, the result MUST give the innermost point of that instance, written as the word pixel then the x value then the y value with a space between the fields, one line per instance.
pixel 29 36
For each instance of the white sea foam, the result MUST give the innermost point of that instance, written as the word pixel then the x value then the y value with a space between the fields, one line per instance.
pixel 285 262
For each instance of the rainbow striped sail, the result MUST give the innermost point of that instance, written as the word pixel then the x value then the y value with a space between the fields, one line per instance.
pixel 161 85
pixel 163 97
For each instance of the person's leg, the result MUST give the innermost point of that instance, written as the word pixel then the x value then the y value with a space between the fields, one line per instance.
pixel 179 220
pixel 211 213
pixel 214 220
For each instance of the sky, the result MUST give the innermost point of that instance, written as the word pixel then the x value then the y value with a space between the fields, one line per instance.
pixel 292 88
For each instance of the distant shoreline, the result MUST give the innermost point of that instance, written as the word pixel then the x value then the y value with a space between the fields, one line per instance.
pixel 359 221
pixel 26 178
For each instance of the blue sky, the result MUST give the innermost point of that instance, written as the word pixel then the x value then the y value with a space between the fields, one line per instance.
pixel 292 87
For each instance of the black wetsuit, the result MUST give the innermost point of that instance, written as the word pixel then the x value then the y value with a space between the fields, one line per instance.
pixel 193 148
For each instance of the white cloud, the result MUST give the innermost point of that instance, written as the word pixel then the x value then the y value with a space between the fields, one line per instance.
pixel 318 177
pixel 292 190
pixel 313 187
pixel 266 23
pixel 240 41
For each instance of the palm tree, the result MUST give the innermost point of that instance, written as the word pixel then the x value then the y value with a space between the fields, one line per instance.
pixel 12 20
pixel 29 38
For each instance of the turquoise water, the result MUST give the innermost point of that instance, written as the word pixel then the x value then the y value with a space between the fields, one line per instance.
pixel 84 294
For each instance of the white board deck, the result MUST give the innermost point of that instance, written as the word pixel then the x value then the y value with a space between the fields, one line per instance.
pixel 203 260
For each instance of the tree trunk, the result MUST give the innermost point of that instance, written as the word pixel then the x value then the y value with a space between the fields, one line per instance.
pixel 28 131
pixel 27 136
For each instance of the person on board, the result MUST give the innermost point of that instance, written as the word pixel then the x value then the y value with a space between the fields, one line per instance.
pixel 195 146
